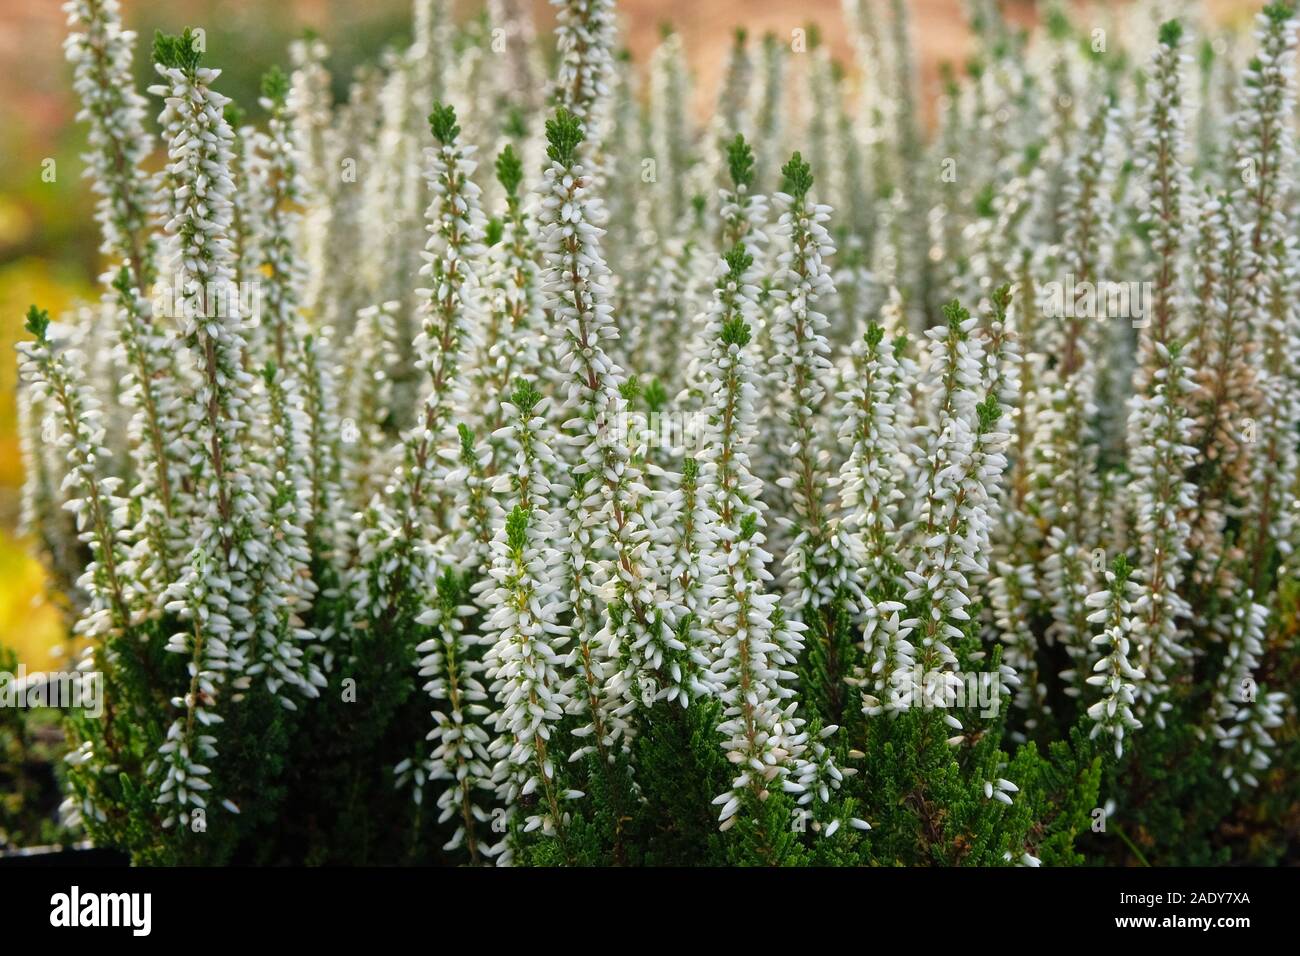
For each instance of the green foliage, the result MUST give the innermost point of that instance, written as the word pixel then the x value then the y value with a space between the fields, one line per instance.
pixel 275 86
pixel 735 331
pixel 181 52
pixel 510 170
pixel 796 178
pixel 740 162
pixel 442 122
pixel 563 134
pixel 38 322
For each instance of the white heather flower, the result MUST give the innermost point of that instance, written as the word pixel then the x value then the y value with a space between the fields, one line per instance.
pixel 513 342
pixel 613 495
pixel 98 511
pixel 366 400
pixel 1159 458
pixel 584 46
pixel 460 760
pixel 755 646
pixel 230 541
pixel 283 590
pixel 817 566
pixel 100 51
pixel 743 215
pixel 1266 155
pixel 1241 712
pixel 1114 673
pixel 1222 360
pixel 1166 182
pixel 959 471
pixel 686 555
pixel 280 187
pixel 526 660
pixel 449 318
pixel 869 486
pixel 670 132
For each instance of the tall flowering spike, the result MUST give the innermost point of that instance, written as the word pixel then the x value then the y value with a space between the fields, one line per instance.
pixel 473 501
pixel 1066 440
pixel 408 557
pixel 1265 144
pixel 1223 361
pixel 960 475
pixel 1160 457
pixel 460 759
pixel 575 288
pixel 306 110
pixel 816 565
pixel 1164 144
pixel 686 558
pixel 155 435
pixel 526 663
pixel 1266 160
pixel 449 326
pixel 282 190
pixel 283 590
pixel 742 217
pixel 230 537
pixel 323 433
pixel 869 486
pixel 100 51
pixel 513 342
pixel 756 647
pixel 70 425
pixel 584 45
pixel 670 132
pixel 1242 713
pixel 1115 674
pixel 98 510
pixel 366 401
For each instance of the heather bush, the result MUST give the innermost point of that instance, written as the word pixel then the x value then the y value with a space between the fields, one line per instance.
pixel 508 464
